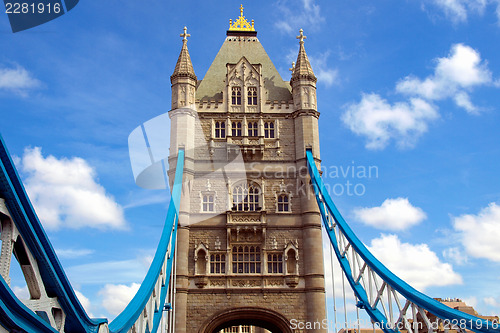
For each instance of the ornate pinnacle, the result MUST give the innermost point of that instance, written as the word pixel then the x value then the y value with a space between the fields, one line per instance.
pixel 185 35
pixel 301 37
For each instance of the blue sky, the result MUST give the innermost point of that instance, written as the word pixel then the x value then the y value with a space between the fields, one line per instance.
pixel 410 87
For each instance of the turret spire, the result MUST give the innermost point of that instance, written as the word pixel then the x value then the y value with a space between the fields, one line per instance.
pixel 184 66
pixel 302 67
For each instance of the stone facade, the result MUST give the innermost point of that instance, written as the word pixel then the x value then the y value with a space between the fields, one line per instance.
pixel 249 227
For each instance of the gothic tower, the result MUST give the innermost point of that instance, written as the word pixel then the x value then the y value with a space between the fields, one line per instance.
pixel 249 242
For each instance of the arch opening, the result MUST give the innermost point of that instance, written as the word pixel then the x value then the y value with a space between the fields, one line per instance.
pixel 266 319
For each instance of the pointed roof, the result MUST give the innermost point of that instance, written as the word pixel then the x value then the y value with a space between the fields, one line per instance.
pixel 231 51
pixel 184 66
pixel 302 67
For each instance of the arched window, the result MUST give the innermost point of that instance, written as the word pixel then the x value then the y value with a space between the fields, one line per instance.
pixel 275 263
pixel 236 128
pixel 252 95
pixel 236 95
pixel 246 197
pixel 220 129
pixel 208 203
pixel 291 264
pixel 252 128
pixel 201 263
pixel 246 260
pixel 269 129
pixel 283 203
pixel 218 264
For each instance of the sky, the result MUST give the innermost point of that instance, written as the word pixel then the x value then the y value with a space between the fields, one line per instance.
pixel 409 95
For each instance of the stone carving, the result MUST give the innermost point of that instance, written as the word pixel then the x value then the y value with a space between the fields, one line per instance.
pixel 246 283
pixel 275 282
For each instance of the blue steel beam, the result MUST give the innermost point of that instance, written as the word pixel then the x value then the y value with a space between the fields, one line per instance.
pixel 433 306
pixel 55 280
pixel 125 320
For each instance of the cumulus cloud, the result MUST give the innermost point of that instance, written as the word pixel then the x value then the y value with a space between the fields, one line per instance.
pixel 115 297
pixel 490 301
pixel 17 79
pixel 479 234
pixel 455 255
pixel 85 302
pixel 324 74
pixel 65 193
pixel 417 264
pixel 394 214
pixel 379 121
pixel 21 293
pixel 299 14
pixel 453 77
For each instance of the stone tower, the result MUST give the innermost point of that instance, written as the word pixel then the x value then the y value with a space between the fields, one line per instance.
pixel 249 242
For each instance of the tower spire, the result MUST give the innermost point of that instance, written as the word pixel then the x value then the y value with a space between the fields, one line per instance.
pixel 302 67
pixel 184 66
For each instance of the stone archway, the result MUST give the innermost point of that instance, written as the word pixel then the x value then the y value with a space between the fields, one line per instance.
pixel 265 318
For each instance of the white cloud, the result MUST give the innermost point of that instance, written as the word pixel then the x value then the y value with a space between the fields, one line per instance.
pixel 459 10
pixel 324 74
pixel 455 255
pixel 73 253
pixel 303 14
pixel 65 193
pixel 394 214
pixel 380 121
pixel 17 79
pixel 479 234
pixel 115 297
pixel 21 293
pixel 417 264
pixel 85 302
pixel 454 76
pixel 471 301
pixel 490 301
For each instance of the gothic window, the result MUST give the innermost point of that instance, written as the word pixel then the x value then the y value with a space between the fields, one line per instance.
pixel 291 264
pixel 252 128
pixel 245 328
pixel 217 263
pixel 252 95
pixel 275 263
pixel 246 197
pixel 283 203
pixel 236 95
pixel 269 129
pixel 236 128
pixel 220 129
pixel 201 263
pixel 246 260
pixel 208 202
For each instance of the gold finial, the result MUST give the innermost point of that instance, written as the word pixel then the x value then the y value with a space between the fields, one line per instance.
pixel 241 24
pixel 185 35
pixel 301 37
